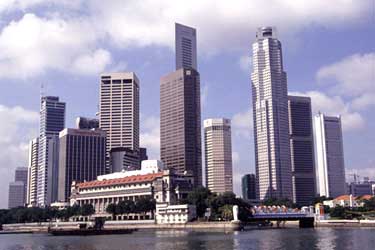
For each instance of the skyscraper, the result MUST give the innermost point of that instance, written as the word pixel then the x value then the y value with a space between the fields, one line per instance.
pixel 180 130
pixel 186 47
pixel 218 155
pixel 248 184
pixel 180 113
pixel 32 183
pixel 52 121
pixel 81 158
pixel 270 111
pixel 21 174
pixel 18 188
pixel 330 155
pixel 302 150
pixel 16 194
pixel 119 111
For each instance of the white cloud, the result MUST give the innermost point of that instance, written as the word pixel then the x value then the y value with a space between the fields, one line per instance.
pixel 361 172
pixel 242 123
pixel 364 101
pixel 17 126
pixel 353 75
pixel 33 44
pixel 92 63
pixel 150 136
pixel 334 105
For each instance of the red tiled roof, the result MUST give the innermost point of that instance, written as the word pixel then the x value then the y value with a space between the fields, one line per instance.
pixel 344 197
pixel 118 181
pixel 347 197
pixel 364 197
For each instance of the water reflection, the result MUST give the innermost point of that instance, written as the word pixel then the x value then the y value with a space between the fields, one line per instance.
pixel 321 238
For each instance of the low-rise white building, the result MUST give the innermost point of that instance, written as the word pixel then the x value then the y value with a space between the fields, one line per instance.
pixel 347 201
pixel 174 214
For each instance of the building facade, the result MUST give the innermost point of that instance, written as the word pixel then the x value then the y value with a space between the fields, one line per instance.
pixel 248 185
pixel 124 158
pixel 152 181
pixel 32 183
pixel 21 174
pixel 330 155
pixel 16 196
pixel 119 111
pixel 218 155
pixel 52 121
pixel 360 189
pixel 186 47
pixel 302 150
pixel 180 122
pixel 270 112
pixel 81 158
pixel 87 123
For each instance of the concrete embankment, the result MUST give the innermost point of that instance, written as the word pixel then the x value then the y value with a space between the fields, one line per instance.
pixel 345 223
pixel 137 225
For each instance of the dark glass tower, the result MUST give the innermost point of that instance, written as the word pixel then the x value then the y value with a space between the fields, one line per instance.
pixel 302 149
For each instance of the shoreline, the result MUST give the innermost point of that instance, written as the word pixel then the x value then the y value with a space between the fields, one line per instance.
pixel 147 225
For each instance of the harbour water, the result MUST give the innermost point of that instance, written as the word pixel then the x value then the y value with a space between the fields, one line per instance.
pixel 268 239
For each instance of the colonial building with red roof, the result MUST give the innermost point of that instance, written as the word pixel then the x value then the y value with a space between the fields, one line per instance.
pixel 165 186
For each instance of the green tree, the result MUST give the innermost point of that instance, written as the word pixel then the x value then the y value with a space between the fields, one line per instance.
pixel 200 198
pixel 112 209
pixel 87 210
pixel 337 212
pixel 144 205
pixel 126 207
pixel 226 212
pixel 369 205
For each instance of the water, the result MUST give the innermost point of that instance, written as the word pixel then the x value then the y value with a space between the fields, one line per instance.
pixel 322 238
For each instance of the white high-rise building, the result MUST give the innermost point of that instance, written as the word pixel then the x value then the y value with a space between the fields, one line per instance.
pixel 52 121
pixel 32 172
pixel 270 111
pixel 330 155
pixel 119 110
pixel 218 155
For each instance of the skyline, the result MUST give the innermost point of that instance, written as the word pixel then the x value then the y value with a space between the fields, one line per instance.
pixel 352 102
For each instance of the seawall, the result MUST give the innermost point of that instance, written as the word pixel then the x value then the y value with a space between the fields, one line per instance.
pixel 136 225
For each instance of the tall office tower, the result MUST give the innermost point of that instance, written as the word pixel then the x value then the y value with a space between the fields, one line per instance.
pixel 186 47
pixel 16 194
pixel 52 121
pixel 119 111
pixel 270 111
pixel 32 182
pixel 330 155
pixel 21 175
pixel 180 120
pixel 248 184
pixel 180 112
pixel 81 158
pixel 87 123
pixel 218 155
pixel 302 150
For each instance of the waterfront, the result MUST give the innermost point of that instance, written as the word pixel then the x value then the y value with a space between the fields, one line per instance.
pixel 291 238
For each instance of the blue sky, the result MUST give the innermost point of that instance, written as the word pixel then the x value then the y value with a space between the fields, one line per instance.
pixel 328 50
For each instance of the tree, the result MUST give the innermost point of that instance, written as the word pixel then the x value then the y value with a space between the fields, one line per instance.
pixel 112 209
pixel 199 197
pixel 370 204
pixel 226 212
pixel 87 210
pixel 144 205
pixel 338 212
pixel 126 207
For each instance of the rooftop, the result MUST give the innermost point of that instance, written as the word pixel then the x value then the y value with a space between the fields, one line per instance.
pixel 124 180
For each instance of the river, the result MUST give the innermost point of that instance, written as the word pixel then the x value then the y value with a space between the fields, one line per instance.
pixel 268 239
